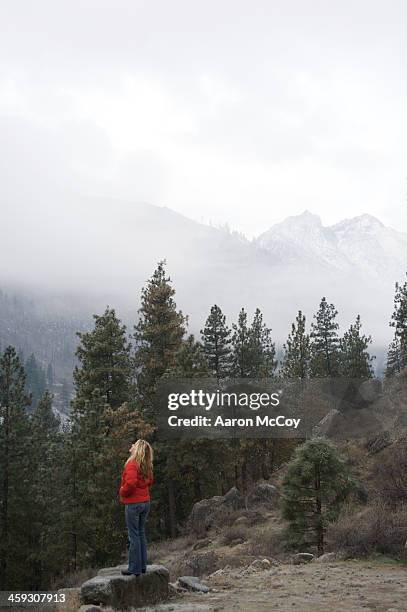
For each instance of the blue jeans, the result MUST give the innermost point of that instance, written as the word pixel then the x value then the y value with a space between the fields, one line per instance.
pixel 136 515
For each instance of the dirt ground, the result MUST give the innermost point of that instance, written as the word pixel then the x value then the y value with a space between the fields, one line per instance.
pixel 345 586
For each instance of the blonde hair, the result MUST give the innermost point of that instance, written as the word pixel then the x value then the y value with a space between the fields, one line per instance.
pixel 143 456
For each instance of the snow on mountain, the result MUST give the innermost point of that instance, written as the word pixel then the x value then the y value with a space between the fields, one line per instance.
pixel 362 245
pixel 376 249
pixel 93 252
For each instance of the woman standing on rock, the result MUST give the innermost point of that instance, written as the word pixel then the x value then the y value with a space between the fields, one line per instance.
pixel 135 494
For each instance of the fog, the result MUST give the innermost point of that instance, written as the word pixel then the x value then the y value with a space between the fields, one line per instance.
pixel 224 112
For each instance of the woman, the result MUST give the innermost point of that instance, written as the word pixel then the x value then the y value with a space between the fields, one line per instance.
pixel 135 494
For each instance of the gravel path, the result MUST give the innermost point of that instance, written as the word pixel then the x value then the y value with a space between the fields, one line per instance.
pixel 347 586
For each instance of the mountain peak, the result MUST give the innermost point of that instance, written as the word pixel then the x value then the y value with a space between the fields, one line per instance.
pixel 305 218
pixel 361 222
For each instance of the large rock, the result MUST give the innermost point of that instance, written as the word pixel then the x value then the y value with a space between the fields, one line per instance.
pixel 110 588
pixel 300 558
pixel 330 557
pixel 199 564
pixel 192 583
pixel 263 494
pixel 207 512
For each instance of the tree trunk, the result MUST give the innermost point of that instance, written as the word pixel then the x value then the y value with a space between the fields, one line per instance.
pixel 319 525
pixel 243 472
pixel 4 517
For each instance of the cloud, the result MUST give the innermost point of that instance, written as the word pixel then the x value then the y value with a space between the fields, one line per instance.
pixel 221 112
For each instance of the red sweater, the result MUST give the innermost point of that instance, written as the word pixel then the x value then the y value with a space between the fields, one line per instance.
pixel 133 487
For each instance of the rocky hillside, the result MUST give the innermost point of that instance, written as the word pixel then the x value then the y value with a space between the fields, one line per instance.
pixel 233 558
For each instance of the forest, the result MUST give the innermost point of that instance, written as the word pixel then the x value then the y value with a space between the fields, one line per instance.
pixel 59 507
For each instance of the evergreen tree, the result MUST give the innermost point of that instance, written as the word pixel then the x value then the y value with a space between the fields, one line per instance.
pixel 65 397
pixel 262 349
pixel 325 345
pixel 253 352
pixel 393 365
pixel 216 338
pixel 35 380
pixel 50 375
pixel 184 463
pixel 399 322
pixel 316 484
pixel 105 363
pixel 45 526
pixel 158 335
pixel 296 360
pixel 190 360
pixel 103 380
pixel 15 471
pixel 241 347
pixel 93 510
pixel 355 361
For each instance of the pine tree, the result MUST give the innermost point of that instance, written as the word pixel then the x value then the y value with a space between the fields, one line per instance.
pixel 393 365
pixel 253 352
pixel 14 470
pixel 296 360
pixel 216 338
pixel 105 362
pixel 50 375
pixel 65 397
pixel 103 380
pixel 158 336
pixel 35 380
pixel 190 360
pixel 241 347
pixel 355 361
pixel 85 516
pixel 325 345
pixel 262 349
pixel 184 463
pixel 45 526
pixel 399 322
pixel 316 484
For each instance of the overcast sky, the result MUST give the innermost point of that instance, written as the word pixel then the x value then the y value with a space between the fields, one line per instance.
pixel 226 111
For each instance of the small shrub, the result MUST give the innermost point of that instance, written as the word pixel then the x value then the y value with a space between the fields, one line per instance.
pixel 267 543
pixel 199 564
pixel 391 473
pixel 73 579
pixel 377 529
pixel 159 550
pixel 235 532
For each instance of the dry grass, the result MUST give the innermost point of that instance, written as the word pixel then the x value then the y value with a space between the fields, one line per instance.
pixel 267 543
pixel 157 551
pixel 379 528
pixel 73 579
pixel 235 533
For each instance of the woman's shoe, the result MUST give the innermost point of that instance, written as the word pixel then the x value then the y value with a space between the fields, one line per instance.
pixel 127 573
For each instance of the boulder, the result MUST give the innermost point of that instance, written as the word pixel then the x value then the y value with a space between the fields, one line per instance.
pixel 200 564
pixel 207 512
pixel 192 583
pixel 233 499
pixel 260 564
pixel 110 588
pixel 263 494
pixel 301 558
pixel 242 521
pixel 329 557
